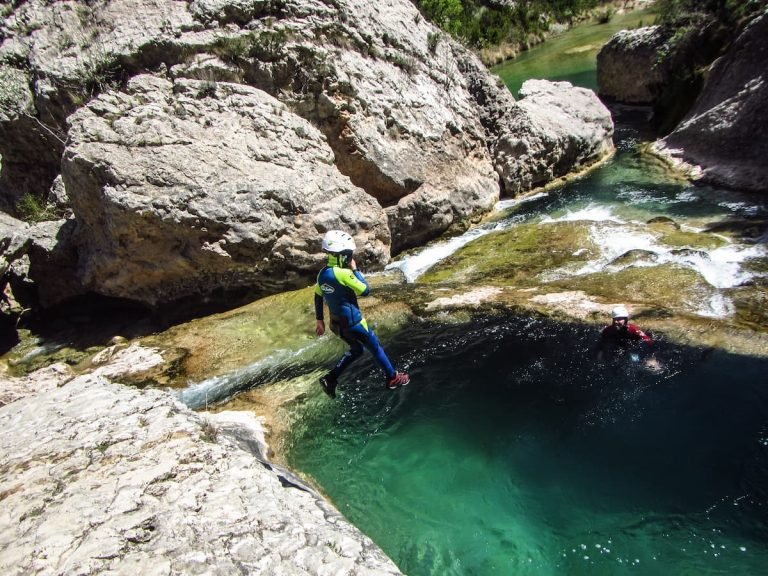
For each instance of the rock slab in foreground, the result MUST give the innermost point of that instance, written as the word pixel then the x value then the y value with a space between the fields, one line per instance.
pixel 96 477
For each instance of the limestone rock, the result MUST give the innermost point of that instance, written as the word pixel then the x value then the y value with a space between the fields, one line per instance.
pixel 555 128
pixel 42 250
pixel 209 144
pixel 43 380
pixel 630 68
pixel 99 478
pixel 177 191
pixel 722 138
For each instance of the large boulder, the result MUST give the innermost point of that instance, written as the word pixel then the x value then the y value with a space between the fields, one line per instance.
pixel 178 190
pixel 263 124
pixel 555 128
pixel 39 260
pixel 630 68
pixel 723 138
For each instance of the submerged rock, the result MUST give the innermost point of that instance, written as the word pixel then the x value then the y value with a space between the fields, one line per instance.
pixel 635 257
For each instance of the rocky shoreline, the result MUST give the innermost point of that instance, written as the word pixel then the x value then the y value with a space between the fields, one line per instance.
pixel 98 477
pixel 708 120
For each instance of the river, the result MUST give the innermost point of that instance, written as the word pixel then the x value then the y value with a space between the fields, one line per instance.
pixel 514 451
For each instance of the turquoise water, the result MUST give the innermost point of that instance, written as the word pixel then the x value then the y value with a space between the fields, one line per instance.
pixel 570 56
pixel 514 451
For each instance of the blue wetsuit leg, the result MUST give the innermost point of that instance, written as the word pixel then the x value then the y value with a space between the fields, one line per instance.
pixel 358 336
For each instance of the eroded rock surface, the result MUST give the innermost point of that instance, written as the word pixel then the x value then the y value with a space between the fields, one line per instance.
pixel 208 145
pixel 555 128
pixel 723 140
pixel 630 68
pixel 96 477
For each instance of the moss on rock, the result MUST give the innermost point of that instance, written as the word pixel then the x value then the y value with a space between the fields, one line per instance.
pixel 515 256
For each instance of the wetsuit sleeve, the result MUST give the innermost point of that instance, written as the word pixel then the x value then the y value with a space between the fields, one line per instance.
pixel 353 280
pixel 318 302
pixel 639 334
pixel 318 307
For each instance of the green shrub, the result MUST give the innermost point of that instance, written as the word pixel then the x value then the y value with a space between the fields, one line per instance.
pixel 481 23
pixel 605 15
pixel 433 39
pixel 29 208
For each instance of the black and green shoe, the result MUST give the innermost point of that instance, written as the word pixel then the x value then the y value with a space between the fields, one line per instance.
pixel 328 382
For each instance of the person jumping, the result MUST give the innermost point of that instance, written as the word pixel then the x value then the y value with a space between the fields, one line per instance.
pixel 339 284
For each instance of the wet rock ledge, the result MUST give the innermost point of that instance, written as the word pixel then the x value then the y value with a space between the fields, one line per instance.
pixel 98 477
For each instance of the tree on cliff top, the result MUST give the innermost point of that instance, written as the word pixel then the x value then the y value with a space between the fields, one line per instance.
pixel 728 13
pixel 481 23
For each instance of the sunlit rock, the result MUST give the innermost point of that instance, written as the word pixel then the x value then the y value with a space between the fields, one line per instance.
pixel 554 129
pixel 98 477
pixel 629 68
pixel 368 119
pixel 226 191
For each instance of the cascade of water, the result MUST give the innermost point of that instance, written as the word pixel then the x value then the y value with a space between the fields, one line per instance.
pixel 216 389
pixel 614 237
pixel 414 265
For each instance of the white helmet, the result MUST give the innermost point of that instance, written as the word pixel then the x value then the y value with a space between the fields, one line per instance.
pixel 619 312
pixel 338 241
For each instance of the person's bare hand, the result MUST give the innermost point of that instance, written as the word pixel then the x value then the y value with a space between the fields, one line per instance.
pixel 319 327
pixel 653 365
pixel 353 264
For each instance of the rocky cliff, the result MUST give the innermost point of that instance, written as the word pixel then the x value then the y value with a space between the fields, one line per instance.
pixel 707 87
pixel 723 139
pixel 202 148
pixel 101 478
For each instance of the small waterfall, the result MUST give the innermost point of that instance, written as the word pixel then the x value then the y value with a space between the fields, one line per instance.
pixel 414 265
pixel 615 238
pixel 280 365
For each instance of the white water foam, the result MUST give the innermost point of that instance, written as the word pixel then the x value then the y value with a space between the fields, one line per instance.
pixel 502 205
pixel 721 267
pixel 213 390
pixel 715 306
pixel 590 213
pixel 417 264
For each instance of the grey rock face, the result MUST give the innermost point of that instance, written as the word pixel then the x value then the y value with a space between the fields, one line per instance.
pixel 210 144
pixel 552 130
pixel 99 478
pixel 629 68
pixel 724 135
pixel 177 190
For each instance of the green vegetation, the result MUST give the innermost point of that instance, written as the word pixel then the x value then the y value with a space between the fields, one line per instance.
pixel 685 13
pixel 513 256
pixel 699 32
pixel 480 23
pixel 266 45
pixel 29 208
